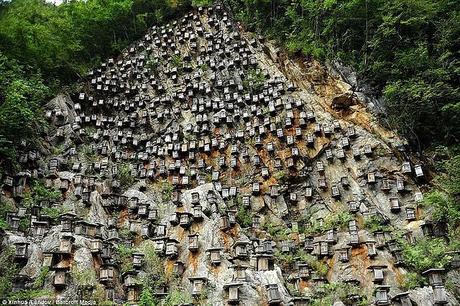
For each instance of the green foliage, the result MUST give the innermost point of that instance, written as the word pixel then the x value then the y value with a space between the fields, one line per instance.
pixel 254 81
pixel 39 192
pixel 5 207
pixel 407 50
pixel 177 297
pixel 59 40
pixel 327 294
pixel 198 3
pixel 277 231
pixel 84 277
pixel 165 188
pixel 125 233
pixel 243 216
pixel 24 223
pixel 177 61
pixel 425 254
pixel 146 297
pixel 53 212
pixel 125 256
pixel 3 224
pixel 375 224
pixel 154 267
pixel 153 64
pixel 443 204
pixel 21 94
pixel 40 280
pixel 44 46
pixel 451 180
pixel 43 193
pixel 336 220
pixel 280 176
pixel 98 295
pixel 284 259
pixel 319 267
pixel 124 176
pixel 288 259
pixel 7 270
pixel 412 280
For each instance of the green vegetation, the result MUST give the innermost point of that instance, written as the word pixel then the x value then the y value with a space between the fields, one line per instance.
pixel 280 176
pixel 287 260
pixel 125 233
pixel 24 223
pixel 425 254
pixel 89 154
pixel 154 267
pixel 98 295
pixel 277 231
pixel 177 61
pixel 7 270
pixel 125 176
pixel 125 256
pixel 197 3
pixel 174 297
pixel 3 224
pixel 45 46
pixel 412 280
pixel 254 81
pixel 177 297
pixel 406 50
pixel 5 207
pixel 39 192
pixel 53 212
pixel 327 294
pixel 153 64
pixel 146 297
pixel 165 188
pixel 243 216
pixel 337 220
pixel 21 94
pixel 443 204
pixel 375 223
pixel 84 277
pixel 40 280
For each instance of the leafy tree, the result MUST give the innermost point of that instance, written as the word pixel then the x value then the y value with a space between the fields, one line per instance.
pixel 21 93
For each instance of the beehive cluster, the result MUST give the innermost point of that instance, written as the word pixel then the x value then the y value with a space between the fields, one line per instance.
pixel 194 108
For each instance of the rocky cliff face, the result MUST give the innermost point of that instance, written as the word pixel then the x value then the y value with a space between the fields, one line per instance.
pixel 206 165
